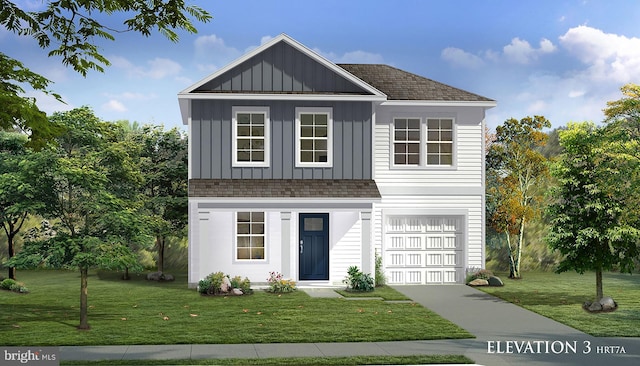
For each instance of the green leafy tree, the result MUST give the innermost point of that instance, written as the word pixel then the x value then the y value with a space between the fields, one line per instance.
pixel 515 170
pixel 588 219
pixel 92 174
pixel 164 168
pixel 70 29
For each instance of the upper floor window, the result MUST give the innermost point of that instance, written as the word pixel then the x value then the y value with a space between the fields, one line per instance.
pixel 418 142
pixel 314 137
pixel 439 141
pixel 250 235
pixel 250 136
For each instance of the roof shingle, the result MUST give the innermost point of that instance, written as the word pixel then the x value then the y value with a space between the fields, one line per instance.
pixel 402 85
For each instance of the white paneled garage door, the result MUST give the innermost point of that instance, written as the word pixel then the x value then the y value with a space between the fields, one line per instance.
pixel 424 249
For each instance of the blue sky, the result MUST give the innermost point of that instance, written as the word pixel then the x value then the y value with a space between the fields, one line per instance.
pixel 560 59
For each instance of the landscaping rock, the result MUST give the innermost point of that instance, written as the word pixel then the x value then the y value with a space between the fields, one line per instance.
pixel 237 291
pixel 479 282
pixel 168 277
pixel 226 284
pixel 608 304
pixel 159 276
pixel 595 307
pixel 495 281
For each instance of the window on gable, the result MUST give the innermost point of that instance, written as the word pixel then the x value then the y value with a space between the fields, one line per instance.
pixel 250 235
pixel 313 137
pixel 406 141
pixel 251 136
pixel 439 141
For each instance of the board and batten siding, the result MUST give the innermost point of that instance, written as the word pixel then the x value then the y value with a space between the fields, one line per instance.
pixel 468 153
pixel 211 134
pixel 281 68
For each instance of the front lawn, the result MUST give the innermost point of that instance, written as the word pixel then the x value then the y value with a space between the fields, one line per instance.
pixel 143 312
pixel 560 297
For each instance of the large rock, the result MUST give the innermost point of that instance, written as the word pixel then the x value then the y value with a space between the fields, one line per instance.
pixel 608 304
pixel 495 281
pixel 595 307
pixel 237 291
pixel 226 284
pixel 479 282
pixel 160 276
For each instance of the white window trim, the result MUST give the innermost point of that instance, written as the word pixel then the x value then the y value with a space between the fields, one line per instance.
pixel 234 138
pixel 423 144
pixel 235 239
pixel 315 110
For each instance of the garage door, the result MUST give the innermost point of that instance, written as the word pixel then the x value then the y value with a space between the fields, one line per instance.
pixel 424 249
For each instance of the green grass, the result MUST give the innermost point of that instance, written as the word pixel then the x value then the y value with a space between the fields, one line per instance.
pixel 385 292
pixel 560 297
pixel 302 361
pixel 134 312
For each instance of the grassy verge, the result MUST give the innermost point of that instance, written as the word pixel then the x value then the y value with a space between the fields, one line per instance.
pixel 142 312
pixel 385 292
pixel 560 297
pixel 302 361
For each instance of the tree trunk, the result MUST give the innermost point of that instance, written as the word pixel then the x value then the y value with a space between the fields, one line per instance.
pixel 160 244
pixel 84 318
pixel 10 237
pixel 125 276
pixel 599 294
pixel 520 245
pixel 512 264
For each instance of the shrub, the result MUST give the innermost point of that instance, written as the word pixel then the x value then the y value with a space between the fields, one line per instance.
pixel 358 281
pixel 483 274
pixel 277 284
pixel 381 279
pixel 211 285
pixel 204 286
pixel 7 283
pixel 242 284
pixel 12 285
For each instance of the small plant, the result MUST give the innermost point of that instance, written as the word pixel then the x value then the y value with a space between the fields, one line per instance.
pixel 218 284
pixel 204 287
pixel 277 284
pixel 242 284
pixel 7 283
pixel 12 285
pixel 381 279
pixel 483 274
pixel 358 281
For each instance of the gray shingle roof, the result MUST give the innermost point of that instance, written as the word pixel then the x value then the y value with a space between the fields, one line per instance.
pixel 284 188
pixel 402 85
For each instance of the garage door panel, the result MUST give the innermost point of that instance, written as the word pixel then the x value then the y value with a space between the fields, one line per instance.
pixel 424 249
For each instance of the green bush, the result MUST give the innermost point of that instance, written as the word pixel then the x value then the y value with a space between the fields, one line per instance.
pixel 483 274
pixel 7 283
pixel 381 279
pixel 204 286
pixel 12 285
pixel 242 284
pixel 358 281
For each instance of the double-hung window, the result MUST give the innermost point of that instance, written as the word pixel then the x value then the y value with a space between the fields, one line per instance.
pixel 422 142
pixel 250 236
pixel 314 137
pixel 250 136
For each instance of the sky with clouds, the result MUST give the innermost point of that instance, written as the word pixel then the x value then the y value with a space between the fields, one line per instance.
pixel 560 59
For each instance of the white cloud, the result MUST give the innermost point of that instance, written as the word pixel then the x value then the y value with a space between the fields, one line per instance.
pixel 461 58
pixel 212 52
pixel 114 106
pixel 352 57
pixel 520 51
pixel 157 68
pixel 131 96
pixel 610 58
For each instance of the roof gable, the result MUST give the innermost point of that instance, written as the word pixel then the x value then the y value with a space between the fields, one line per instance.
pixel 282 66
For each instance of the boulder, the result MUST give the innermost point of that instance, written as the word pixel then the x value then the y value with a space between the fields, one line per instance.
pixel 595 307
pixel 154 276
pixel 226 284
pixel 608 304
pixel 237 291
pixel 479 282
pixel 167 277
pixel 495 281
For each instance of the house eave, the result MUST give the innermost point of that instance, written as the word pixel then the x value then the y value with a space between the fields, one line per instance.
pixel 440 103
pixel 268 96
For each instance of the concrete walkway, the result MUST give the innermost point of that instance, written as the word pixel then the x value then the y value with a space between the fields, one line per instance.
pixel 506 335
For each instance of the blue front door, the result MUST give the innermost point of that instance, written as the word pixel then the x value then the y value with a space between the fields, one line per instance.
pixel 314 246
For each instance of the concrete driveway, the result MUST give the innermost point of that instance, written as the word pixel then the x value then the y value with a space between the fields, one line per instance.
pixel 510 335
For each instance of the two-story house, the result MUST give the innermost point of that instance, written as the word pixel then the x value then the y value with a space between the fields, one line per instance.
pixel 305 167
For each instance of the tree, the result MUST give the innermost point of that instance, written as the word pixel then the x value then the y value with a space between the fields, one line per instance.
pixel 164 167
pixel 20 181
pixel 92 174
pixel 515 170
pixel 589 225
pixel 69 29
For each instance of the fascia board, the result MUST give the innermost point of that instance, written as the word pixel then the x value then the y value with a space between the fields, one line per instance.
pixel 440 103
pixel 307 97
pixel 299 46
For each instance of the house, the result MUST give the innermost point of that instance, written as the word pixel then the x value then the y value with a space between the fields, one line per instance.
pixel 305 167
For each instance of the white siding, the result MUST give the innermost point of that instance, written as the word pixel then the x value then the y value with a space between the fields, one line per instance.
pixel 345 248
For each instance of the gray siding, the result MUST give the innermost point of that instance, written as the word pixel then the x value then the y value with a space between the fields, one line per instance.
pixel 281 69
pixel 211 139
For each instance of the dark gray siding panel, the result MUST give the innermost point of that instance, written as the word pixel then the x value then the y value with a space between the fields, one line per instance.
pixel 281 68
pixel 212 152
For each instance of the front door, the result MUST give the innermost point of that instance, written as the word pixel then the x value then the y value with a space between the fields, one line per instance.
pixel 314 246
